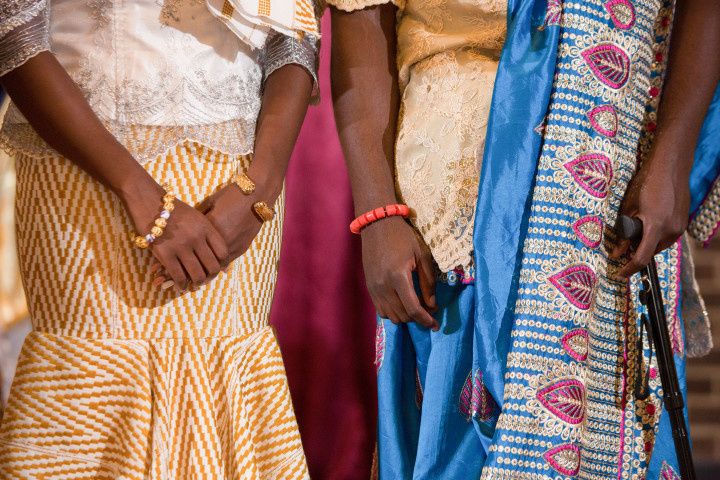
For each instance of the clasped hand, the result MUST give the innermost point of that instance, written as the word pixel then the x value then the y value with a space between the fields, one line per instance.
pixel 201 242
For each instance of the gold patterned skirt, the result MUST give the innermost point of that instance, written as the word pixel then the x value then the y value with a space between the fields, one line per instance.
pixel 121 380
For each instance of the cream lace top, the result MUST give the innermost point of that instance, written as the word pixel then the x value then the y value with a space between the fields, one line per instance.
pixel 448 52
pixel 156 72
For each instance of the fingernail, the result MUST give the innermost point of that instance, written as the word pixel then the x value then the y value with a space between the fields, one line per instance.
pixel 167 284
pixel 158 281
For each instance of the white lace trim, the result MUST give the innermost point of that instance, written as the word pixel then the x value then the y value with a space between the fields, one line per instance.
pixel 24 55
pixel 18 12
pixel 353 5
pixel 144 142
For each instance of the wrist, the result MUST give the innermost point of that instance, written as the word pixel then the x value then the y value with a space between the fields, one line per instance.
pixel 268 184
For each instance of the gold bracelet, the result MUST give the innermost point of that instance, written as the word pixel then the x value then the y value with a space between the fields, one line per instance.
pixel 263 211
pixel 144 241
pixel 246 185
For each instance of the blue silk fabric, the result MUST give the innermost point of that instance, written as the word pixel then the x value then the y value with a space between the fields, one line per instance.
pixel 533 372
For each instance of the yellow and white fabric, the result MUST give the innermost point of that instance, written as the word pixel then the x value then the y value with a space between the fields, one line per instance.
pixel 448 52
pixel 252 20
pixel 121 380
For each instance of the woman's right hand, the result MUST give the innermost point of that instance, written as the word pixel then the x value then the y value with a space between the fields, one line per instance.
pixel 191 251
pixel 392 251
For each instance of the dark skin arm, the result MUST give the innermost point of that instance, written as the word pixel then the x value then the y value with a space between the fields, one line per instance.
pixel 659 194
pixel 366 99
pixel 191 250
pixel 284 104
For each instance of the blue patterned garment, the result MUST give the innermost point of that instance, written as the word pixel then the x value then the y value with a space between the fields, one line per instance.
pixel 532 373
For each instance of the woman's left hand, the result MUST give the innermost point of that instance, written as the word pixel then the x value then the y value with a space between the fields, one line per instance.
pixel 231 213
pixel 659 195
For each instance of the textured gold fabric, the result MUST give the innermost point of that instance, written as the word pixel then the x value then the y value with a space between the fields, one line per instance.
pixel 122 380
pixel 448 52
pixel 12 298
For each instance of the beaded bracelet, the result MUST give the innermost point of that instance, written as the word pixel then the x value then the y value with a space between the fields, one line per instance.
pixel 158 229
pixel 394 210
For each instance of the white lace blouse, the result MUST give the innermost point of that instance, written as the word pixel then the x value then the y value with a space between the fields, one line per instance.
pixel 157 72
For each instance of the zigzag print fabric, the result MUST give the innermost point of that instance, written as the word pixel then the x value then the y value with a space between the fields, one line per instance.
pixel 120 380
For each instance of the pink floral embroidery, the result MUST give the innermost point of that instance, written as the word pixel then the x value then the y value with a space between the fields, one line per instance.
pixel 622 13
pixel 577 284
pixel 593 172
pixel 553 14
pixel 589 230
pixel 668 473
pixel 575 343
pixel 604 120
pixel 565 399
pixel 564 458
pixel 475 400
pixel 609 63
pixel 379 344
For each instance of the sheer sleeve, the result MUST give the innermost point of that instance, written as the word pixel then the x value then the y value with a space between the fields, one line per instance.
pixel 282 50
pixel 24 32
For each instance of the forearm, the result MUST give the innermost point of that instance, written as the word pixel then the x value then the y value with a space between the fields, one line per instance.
pixel 366 99
pixel 284 104
pixel 58 111
pixel 693 75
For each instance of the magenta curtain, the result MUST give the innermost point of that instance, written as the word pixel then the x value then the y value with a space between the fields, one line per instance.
pixel 322 313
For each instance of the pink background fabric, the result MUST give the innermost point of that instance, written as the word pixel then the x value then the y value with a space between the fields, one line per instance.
pixel 322 312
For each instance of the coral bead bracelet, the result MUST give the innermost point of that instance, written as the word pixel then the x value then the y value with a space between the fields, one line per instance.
pixel 394 210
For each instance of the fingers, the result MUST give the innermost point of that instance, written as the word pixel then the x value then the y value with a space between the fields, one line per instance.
pixel 208 259
pixel 622 247
pixel 411 303
pixel 643 254
pixel 174 269
pixel 218 246
pixel 426 278
pixel 193 267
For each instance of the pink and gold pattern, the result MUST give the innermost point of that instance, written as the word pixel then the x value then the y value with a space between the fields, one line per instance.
pixel 577 284
pixel 475 400
pixel 593 172
pixel 575 343
pixel 609 63
pixel 564 458
pixel 622 13
pixel 589 230
pixel 565 399
pixel 604 120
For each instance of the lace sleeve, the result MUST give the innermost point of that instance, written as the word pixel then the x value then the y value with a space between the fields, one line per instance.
pixel 353 5
pixel 23 32
pixel 282 50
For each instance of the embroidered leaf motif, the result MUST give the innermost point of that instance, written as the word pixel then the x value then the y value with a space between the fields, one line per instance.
pixel 475 400
pixel 609 63
pixel 565 399
pixel 379 344
pixel 553 14
pixel 589 231
pixel 668 473
pixel 622 13
pixel 575 343
pixel 593 172
pixel 564 458
pixel 604 120
pixel 576 284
